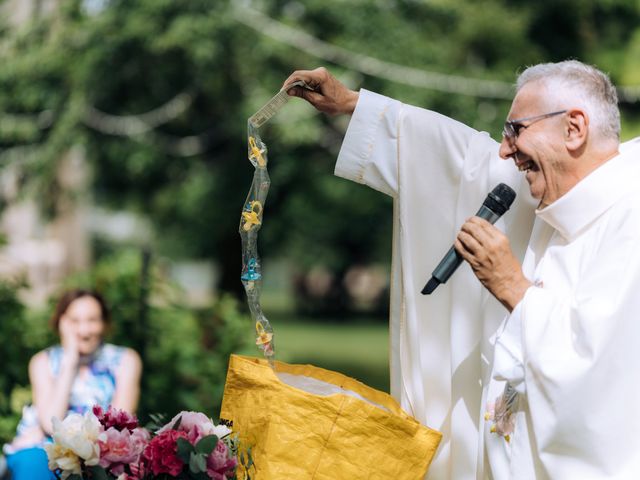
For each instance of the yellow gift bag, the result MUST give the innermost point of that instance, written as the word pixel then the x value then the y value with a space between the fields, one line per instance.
pixel 304 422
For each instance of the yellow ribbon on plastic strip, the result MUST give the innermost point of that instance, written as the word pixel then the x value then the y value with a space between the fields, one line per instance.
pixel 256 153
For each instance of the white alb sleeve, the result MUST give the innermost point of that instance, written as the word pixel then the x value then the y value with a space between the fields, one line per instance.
pixel 369 151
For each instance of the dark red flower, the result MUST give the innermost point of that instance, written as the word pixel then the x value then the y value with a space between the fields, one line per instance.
pixel 113 417
pixel 160 455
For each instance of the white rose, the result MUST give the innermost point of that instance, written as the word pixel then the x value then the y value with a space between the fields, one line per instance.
pixel 63 458
pixel 79 433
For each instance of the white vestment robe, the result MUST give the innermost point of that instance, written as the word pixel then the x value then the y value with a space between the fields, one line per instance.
pixel 571 346
pixel 441 346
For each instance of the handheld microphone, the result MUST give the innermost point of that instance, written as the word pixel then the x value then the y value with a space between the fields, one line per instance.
pixel 497 202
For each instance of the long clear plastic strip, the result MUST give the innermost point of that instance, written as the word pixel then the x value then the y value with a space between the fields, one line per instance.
pixel 252 216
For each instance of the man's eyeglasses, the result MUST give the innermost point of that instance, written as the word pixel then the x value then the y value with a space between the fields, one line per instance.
pixel 512 128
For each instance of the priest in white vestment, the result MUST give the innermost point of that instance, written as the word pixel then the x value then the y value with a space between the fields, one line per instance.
pixel 528 361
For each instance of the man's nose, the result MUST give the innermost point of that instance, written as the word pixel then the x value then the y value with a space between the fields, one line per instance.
pixel 507 149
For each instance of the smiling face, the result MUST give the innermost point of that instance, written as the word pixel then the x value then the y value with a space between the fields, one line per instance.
pixel 539 149
pixel 84 319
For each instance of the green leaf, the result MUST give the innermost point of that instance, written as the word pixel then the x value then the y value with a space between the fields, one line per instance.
pixel 199 476
pixel 74 476
pixel 98 473
pixel 157 421
pixel 207 444
pixel 157 417
pixel 177 423
pixel 197 463
pixel 184 449
pixel 246 459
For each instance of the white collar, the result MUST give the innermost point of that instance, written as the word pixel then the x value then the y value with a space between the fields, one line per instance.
pixel 572 213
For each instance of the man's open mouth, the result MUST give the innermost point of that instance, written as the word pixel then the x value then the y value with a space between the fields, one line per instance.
pixel 526 165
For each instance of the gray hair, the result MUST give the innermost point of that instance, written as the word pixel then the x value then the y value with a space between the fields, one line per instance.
pixel 593 86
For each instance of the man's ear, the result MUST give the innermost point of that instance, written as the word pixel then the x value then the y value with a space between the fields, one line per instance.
pixel 576 129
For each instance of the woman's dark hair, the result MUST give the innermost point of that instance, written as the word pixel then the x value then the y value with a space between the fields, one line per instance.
pixel 70 296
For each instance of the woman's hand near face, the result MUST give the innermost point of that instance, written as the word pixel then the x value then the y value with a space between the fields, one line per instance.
pixel 51 393
pixel 81 327
pixel 69 340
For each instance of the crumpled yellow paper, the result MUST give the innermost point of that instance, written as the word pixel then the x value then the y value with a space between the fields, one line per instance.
pixel 295 434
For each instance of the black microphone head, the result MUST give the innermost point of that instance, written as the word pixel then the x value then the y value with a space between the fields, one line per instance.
pixel 500 199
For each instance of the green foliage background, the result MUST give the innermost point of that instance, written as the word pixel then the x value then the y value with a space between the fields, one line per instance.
pixel 132 56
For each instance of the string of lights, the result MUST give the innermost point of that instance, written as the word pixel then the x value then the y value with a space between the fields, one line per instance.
pixel 141 127
pixel 130 125
pixel 386 70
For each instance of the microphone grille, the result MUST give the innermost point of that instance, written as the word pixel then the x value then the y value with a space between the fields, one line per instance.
pixel 500 198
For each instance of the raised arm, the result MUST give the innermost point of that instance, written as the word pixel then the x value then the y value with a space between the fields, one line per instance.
pixel 50 393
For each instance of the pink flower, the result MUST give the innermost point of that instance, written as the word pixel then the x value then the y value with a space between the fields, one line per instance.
pixel 120 448
pixel 118 419
pixel 160 455
pixel 219 463
pixel 195 424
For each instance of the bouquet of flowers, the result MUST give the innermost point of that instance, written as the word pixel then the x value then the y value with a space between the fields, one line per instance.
pixel 111 445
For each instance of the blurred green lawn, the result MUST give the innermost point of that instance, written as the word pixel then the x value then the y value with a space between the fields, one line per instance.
pixel 359 350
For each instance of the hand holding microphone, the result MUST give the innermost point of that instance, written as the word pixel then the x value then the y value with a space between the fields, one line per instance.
pixel 494 206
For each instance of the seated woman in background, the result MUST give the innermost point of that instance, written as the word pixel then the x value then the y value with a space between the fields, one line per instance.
pixel 72 377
